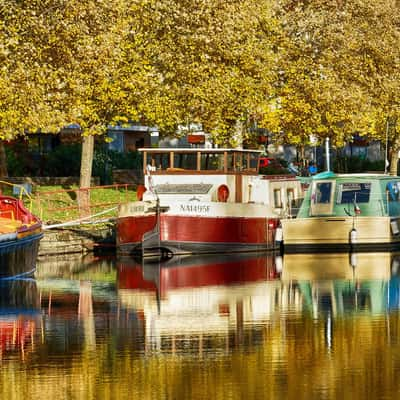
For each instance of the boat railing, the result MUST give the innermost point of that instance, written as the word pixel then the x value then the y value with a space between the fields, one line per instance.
pixel 21 192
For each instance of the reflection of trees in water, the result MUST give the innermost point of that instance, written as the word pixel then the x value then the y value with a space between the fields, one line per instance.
pixel 284 350
pixel 64 265
pixel 18 295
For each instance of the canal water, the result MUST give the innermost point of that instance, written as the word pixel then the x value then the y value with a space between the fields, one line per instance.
pixel 302 326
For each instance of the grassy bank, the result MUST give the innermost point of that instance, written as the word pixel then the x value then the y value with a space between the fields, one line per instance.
pixel 57 204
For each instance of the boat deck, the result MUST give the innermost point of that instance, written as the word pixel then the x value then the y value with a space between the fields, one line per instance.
pixel 8 225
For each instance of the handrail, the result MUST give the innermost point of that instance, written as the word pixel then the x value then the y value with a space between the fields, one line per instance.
pixel 22 189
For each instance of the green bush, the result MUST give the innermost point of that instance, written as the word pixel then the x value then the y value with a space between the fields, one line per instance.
pixel 16 164
pixel 343 164
pixel 104 161
pixel 65 160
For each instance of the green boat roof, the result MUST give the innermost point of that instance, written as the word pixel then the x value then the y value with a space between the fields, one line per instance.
pixel 325 175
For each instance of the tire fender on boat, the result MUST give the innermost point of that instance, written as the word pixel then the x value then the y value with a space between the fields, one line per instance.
pixel 278 234
pixel 353 236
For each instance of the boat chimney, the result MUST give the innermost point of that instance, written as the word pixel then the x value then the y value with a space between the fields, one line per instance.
pixel 328 163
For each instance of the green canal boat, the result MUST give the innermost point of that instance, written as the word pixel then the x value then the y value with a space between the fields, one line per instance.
pixel 346 211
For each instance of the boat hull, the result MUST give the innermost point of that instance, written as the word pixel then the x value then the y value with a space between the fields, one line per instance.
pixel 340 233
pixel 18 256
pixel 195 234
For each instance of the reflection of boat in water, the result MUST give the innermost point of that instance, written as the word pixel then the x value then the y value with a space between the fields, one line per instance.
pixel 348 211
pixel 191 272
pixel 19 312
pixel 334 266
pixel 345 282
pixel 200 297
pixel 196 271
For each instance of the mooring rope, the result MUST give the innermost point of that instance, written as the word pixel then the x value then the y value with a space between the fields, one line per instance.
pixel 77 221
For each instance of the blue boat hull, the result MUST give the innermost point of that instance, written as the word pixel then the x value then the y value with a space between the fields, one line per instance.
pixel 18 256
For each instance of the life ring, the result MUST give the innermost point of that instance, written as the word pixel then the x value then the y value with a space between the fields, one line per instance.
pixel 140 191
pixel 223 193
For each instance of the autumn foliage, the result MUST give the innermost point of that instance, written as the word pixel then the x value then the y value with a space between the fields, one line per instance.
pixel 297 68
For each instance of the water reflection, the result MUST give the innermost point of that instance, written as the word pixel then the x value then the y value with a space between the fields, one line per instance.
pixel 250 326
pixel 340 283
pixel 200 302
pixel 19 316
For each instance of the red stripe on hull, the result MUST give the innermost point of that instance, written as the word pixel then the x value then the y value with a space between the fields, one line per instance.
pixel 131 229
pixel 199 229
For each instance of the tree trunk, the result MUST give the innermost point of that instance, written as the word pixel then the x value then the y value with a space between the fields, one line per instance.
pixel 394 159
pixel 3 161
pixel 86 175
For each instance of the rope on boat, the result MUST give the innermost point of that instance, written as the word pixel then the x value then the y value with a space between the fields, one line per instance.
pixel 78 221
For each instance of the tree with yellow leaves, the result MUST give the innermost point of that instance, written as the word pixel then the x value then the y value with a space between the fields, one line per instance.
pixel 210 62
pixel 339 69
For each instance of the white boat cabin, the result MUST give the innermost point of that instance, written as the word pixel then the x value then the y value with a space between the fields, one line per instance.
pixel 215 175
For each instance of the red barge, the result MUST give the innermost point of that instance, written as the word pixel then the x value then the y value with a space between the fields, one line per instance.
pixel 198 201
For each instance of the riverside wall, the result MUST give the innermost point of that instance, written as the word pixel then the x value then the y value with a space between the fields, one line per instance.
pixel 77 239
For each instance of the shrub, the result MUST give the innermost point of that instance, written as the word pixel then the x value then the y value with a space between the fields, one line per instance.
pixel 64 160
pixel 344 164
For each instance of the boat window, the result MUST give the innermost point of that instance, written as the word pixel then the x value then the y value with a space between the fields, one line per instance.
pixel 253 160
pixel 185 161
pixel 351 192
pixel 277 198
pixel 159 161
pixel 238 161
pixel 290 196
pixel 230 162
pixel 210 161
pixel 323 192
pixel 393 189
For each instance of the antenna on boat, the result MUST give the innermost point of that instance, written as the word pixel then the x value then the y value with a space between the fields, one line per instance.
pixel 327 157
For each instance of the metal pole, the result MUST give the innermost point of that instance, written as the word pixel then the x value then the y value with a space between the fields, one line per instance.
pixel 328 163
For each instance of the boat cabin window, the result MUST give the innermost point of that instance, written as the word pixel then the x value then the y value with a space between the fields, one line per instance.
pixel 351 192
pixel 185 160
pixel 393 189
pixel 224 161
pixel 277 198
pixel 212 162
pixel 158 161
pixel 323 192
pixel 290 197
pixel 252 161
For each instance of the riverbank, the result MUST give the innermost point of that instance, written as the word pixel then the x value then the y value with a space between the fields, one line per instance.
pixel 78 239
